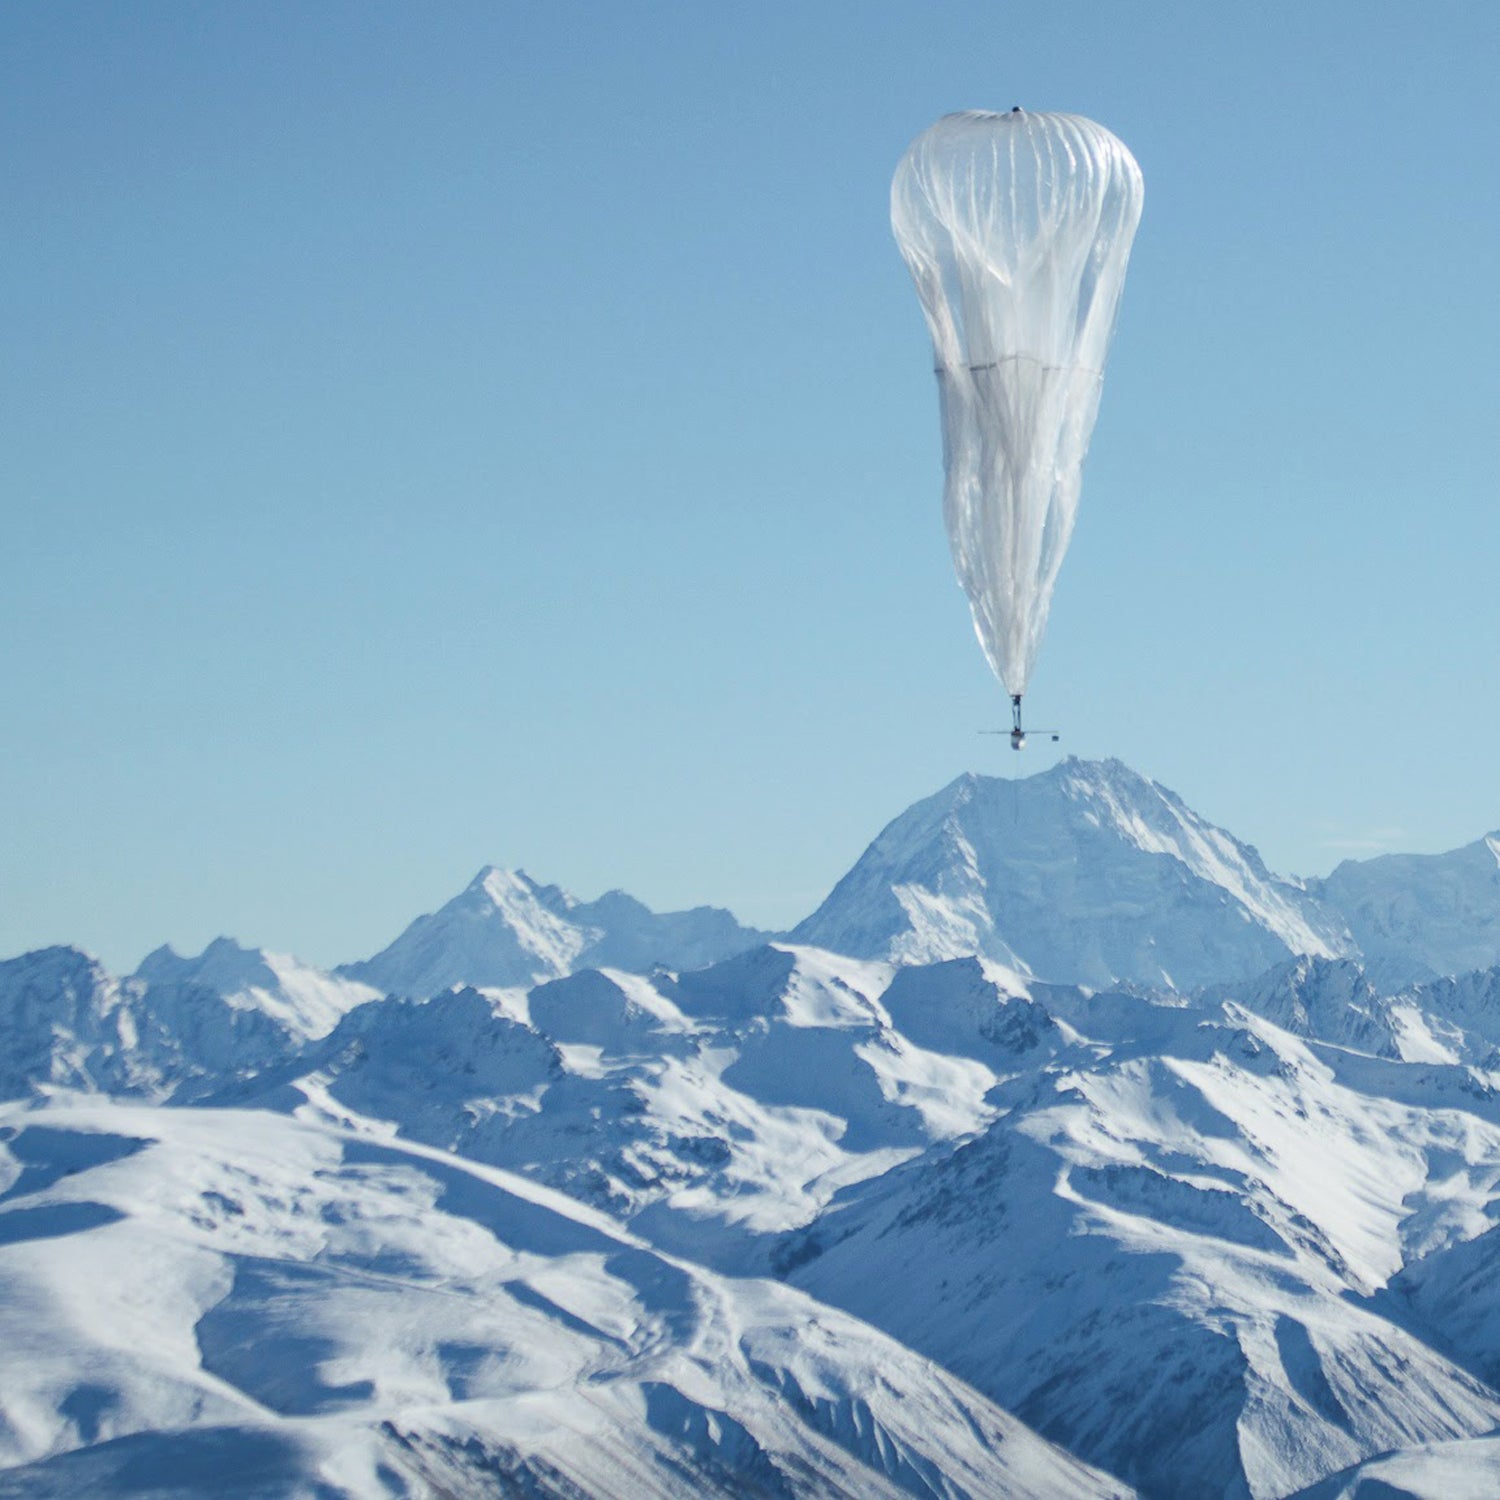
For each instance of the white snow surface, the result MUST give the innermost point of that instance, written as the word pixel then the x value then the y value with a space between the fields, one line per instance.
pixel 237 1303
pixel 1464 1469
pixel 788 1220
pixel 1171 1259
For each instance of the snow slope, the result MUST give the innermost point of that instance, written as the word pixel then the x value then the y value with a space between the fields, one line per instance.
pixel 717 1106
pixel 1088 873
pixel 1199 1241
pixel 1157 1228
pixel 1458 1470
pixel 327 1312
pixel 1169 1260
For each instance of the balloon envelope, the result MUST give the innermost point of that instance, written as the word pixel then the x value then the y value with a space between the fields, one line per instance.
pixel 1016 229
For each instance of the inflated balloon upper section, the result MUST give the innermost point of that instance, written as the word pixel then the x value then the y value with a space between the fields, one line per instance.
pixel 1079 132
pixel 1016 228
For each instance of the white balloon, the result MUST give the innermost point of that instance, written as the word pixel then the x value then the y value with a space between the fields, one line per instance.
pixel 1017 230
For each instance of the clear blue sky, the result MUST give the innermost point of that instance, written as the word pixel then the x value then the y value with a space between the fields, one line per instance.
pixel 462 432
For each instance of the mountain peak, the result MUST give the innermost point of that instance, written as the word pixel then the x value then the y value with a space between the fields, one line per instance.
pixel 303 1000
pixel 502 885
pixel 1086 872
pixel 1072 770
pixel 1420 915
pixel 223 961
pixel 507 929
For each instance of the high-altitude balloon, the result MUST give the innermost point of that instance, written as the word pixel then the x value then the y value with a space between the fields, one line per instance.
pixel 1016 229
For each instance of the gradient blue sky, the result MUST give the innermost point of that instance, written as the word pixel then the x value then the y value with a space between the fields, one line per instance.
pixel 448 433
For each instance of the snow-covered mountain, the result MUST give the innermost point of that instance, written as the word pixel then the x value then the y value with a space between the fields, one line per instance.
pixel 1064 1151
pixel 1087 873
pixel 1418 916
pixel 1171 1259
pixel 1331 1000
pixel 241 1305
pixel 506 929
pixel 304 1000
pixel 739 1098
pixel 1166 1232
pixel 64 1021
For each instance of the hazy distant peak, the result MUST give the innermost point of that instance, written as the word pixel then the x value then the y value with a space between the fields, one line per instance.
pixel 220 959
pixel 499 885
pixel 1420 915
pixel 507 929
pixel 303 1000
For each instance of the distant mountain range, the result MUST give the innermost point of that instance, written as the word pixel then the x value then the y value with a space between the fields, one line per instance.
pixel 1416 916
pixel 506 929
pixel 1063 1151
pixel 1088 873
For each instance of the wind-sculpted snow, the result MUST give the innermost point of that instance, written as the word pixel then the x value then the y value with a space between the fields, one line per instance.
pixel 1458 1470
pixel 332 1314
pixel 1087 873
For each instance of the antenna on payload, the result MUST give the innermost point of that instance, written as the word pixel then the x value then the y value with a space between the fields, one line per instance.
pixel 1016 731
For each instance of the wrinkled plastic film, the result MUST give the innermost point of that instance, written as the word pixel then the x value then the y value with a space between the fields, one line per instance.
pixel 1017 230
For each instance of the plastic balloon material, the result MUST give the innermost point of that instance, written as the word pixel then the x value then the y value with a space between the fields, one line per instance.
pixel 1016 229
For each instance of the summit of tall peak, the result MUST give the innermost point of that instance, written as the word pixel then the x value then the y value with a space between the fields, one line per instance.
pixel 1087 872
